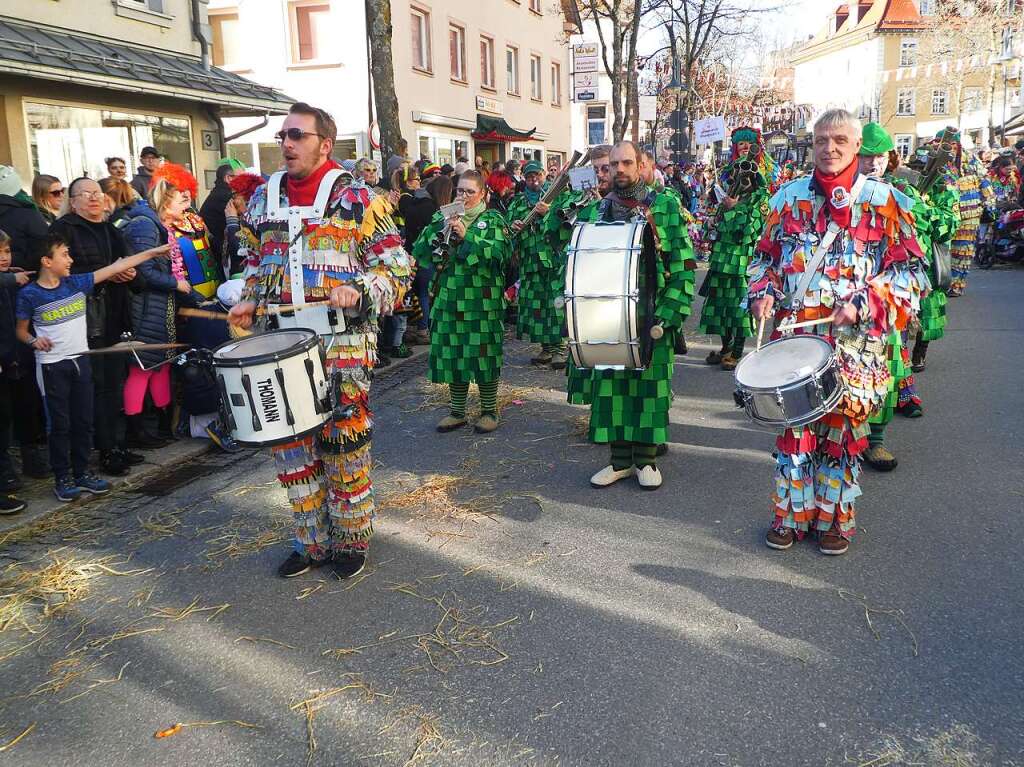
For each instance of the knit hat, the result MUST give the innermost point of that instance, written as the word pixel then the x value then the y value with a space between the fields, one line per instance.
pixel 1019 145
pixel 231 162
pixel 745 134
pixel 532 167
pixel 431 169
pixel 875 141
pixel 447 170
pixel 10 181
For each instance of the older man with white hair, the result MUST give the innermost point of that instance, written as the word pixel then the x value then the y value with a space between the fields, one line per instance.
pixel 839 248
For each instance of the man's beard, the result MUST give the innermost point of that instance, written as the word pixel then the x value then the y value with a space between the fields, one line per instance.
pixel 624 182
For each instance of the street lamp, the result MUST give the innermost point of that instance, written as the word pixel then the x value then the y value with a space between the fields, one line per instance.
pixel 678 87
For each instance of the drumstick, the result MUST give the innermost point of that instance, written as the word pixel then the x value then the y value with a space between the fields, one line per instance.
pixel 203 314
pixel 760 333
pixel 806 323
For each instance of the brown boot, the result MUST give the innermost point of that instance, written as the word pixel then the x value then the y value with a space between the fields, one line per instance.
pixel 714 358
pixel 451 423
pixel 729 361
pixel 832 543
pixel 780 540
pixel 880 459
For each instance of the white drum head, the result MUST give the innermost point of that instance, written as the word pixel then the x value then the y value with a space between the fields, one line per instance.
pixel 268 343
pixel 782 362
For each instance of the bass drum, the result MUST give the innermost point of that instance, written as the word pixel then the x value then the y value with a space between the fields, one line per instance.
pixel 611 282
pixel 273 386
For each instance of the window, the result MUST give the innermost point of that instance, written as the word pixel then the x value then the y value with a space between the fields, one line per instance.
pixel 156 6
pixel 904 145
pixel 972 99
pixel 227 41
pixel 442 149
pixel 457 52
pixel 556 84
pixel 310 30
pixel 535 89
pixel 595 125
pixel 512 70
pixel 420 39
pixel 1007 49
pixel 908 52
pixel 940 102
pixel 926 7
pixel 72 141
pixel 535 6
pixel 487 63
pixel 905 101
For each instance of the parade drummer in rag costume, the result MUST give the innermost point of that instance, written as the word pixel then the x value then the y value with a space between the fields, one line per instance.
pixel 738 225
pixel 538 319
pixel 935 222
pixel 352 258
pixel 865 273
pixel 467 307
pixel 629 408
pixel 976 201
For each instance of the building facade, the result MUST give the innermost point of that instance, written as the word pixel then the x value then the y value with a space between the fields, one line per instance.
pixel 83 81
pixel 485 79
pixel 890 61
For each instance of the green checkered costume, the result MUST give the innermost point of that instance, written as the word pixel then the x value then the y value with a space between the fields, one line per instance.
pixel 468 307
pixel 632 406
pixel 938 219
pixel 725 287
pixel 537 319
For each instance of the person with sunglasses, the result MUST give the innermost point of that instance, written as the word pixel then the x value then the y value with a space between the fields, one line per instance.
pixel 352 259
pixel 48 195
pixel 469 253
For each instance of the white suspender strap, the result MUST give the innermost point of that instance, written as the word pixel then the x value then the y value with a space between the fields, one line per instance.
pixel 274 196
pixel 297 216
pixel 323 193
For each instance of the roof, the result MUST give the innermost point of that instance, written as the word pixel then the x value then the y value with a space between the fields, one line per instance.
pixel 874 16
pixel 496 129
pixel 54 54
pixel 901 14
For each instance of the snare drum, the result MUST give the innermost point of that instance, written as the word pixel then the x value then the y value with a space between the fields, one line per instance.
pixel 321 318
pixel 790 382
pixel 610 287
pixel 273 386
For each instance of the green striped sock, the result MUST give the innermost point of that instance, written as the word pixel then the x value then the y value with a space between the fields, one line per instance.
pixel 622 455
pixel 643 454
pixel 488 397
pixel 457 393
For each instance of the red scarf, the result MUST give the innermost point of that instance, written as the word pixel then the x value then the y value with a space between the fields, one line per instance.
pixel 303 191
pixel 827 183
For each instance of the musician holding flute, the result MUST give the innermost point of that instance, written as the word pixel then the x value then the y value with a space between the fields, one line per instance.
pixel 738 225
pixel 469 252
pixel 840 253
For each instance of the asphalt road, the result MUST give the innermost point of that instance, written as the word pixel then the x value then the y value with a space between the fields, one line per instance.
pixel 534 620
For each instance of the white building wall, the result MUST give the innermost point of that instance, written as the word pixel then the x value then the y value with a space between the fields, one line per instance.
pixel 846 78
pixel 580 137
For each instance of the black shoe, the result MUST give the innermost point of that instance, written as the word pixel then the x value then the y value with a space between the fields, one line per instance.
pixel 661 449
pixel 35 461
pixel 165 425
pixel 112 463
pixel 10 505
pixel 348 565
pixel 680 346
pixel 297 564
pixel 130 458
pixel 9 482
pixel 382 361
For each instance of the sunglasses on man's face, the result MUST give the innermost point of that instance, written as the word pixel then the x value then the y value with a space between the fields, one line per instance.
pixel 293 134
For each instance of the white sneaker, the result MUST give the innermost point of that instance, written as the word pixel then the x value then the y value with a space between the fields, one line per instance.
pixel 609 476
pixel 649 477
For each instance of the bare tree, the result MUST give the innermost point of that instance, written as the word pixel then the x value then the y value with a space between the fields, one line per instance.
pixel 378 27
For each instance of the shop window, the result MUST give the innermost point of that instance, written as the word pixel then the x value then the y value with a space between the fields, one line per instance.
pixel 346 149
pixel 242 153
pixel 68 142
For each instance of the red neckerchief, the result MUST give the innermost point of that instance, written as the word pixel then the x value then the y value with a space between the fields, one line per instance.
pixel 827 184
pixel 303 191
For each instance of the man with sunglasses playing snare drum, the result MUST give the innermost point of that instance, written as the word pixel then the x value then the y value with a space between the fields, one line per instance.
pixel 351 259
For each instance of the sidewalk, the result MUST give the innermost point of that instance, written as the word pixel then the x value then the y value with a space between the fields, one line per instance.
pixel 38 493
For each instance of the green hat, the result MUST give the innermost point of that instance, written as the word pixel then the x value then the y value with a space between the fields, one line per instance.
pixel 532 167
pixel 744 134
pixel 875 141
pixel 231 162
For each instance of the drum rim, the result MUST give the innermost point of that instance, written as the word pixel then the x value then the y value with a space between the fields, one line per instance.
pixel 296 349
pixel 285 439
pixel 829 360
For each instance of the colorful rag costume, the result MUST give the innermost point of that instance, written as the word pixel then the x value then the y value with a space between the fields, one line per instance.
pixel 468 306
pixel 629 408
pixel 538 320
pixel 353 242
pixel 734 235
pixel 976 197
pixel 875 264
pixel 199 262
